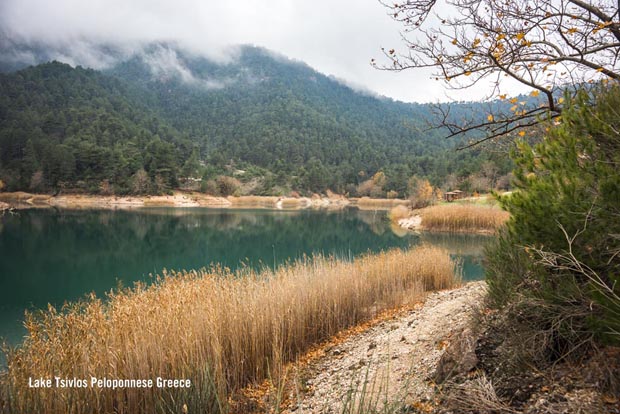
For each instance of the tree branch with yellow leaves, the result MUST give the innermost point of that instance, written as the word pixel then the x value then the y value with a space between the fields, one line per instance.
pixel 550 46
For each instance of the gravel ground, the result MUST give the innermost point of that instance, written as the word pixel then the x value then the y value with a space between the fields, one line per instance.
pixel 395 358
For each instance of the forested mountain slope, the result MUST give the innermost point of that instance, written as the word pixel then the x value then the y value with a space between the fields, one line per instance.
pixel 162 115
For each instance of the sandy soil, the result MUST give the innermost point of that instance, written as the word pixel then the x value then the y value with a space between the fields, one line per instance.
pixel 178 199
pixel 395 357
pixel 411 223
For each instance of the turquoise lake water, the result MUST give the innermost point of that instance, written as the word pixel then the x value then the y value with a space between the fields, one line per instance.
pixel 52 256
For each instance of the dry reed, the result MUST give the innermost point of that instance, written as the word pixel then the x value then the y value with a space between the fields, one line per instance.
pixel 219 329
pixel 253 201
pixel 399 212
pixel 366 203
pixel 462 217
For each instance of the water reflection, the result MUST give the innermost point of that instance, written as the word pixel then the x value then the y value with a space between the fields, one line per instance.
pixel 50 256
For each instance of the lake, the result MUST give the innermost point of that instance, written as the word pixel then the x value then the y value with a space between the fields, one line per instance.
pixel 52 256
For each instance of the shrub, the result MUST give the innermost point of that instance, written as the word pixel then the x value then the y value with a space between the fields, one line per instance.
pixel 228 185
pixel 398 212
pixel 421 192
pixel 208 187
pixel 561 247
pixel 140 182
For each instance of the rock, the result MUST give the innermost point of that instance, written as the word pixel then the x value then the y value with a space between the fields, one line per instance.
pixel 459 357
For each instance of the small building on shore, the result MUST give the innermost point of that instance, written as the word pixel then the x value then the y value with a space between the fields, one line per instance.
pixel 453 195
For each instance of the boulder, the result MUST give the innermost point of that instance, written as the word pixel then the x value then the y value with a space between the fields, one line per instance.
pixel 459 357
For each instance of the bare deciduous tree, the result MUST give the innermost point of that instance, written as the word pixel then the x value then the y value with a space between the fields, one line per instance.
pixel 547 45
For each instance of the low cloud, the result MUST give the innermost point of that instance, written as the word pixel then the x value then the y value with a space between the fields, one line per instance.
pixel 165 62
pixel 335 38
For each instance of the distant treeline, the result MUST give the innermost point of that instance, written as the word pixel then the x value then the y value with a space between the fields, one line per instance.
pixel 273 127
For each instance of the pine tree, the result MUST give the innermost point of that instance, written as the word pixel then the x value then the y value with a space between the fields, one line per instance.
pixel 562 246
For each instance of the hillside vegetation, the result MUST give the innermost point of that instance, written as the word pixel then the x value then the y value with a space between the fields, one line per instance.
pixel 261 124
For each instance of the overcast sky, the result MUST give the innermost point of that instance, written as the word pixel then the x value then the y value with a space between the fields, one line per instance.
pixel 336 37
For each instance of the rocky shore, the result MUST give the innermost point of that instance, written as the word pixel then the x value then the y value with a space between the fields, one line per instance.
pixel 443 356
pixel 180 199
pixel 397 356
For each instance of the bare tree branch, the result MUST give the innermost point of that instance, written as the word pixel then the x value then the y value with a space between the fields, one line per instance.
pixel 547 45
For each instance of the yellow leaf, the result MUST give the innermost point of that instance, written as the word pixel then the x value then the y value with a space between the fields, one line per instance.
pixel 454 41
pixel 513 100
pixel 490 118
pixel 514 108
pixel 572 30
pixel 502 97
pixel 522 133
pixel 467 73
pixel 599 70
pixel 520 35
pixel 561 100
pixel 501 36
pixel 534 93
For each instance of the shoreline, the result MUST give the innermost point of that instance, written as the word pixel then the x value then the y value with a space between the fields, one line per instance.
pixel 397 352
pixel 180 199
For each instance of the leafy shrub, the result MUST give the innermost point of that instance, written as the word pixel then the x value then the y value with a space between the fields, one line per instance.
pixel 228 185
pixel 421 192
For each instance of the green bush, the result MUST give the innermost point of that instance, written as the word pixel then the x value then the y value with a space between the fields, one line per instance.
pixel 561 247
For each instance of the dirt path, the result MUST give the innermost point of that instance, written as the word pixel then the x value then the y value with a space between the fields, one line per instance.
pixel 395 357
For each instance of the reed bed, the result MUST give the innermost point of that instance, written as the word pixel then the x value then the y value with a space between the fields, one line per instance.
pixel 399 212
pixel 221 330
pixel 463 217
pixel 366 203
pixel 253 201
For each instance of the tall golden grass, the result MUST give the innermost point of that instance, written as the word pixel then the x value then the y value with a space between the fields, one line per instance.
pixel 398 212
pixel 379 203
pixel 253 201
pixel 221 330
pixel 462 217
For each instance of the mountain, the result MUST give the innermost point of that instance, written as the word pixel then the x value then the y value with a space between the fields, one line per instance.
pixel 157 116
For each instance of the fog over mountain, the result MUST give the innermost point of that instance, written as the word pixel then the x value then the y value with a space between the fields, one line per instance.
pixel 336 38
